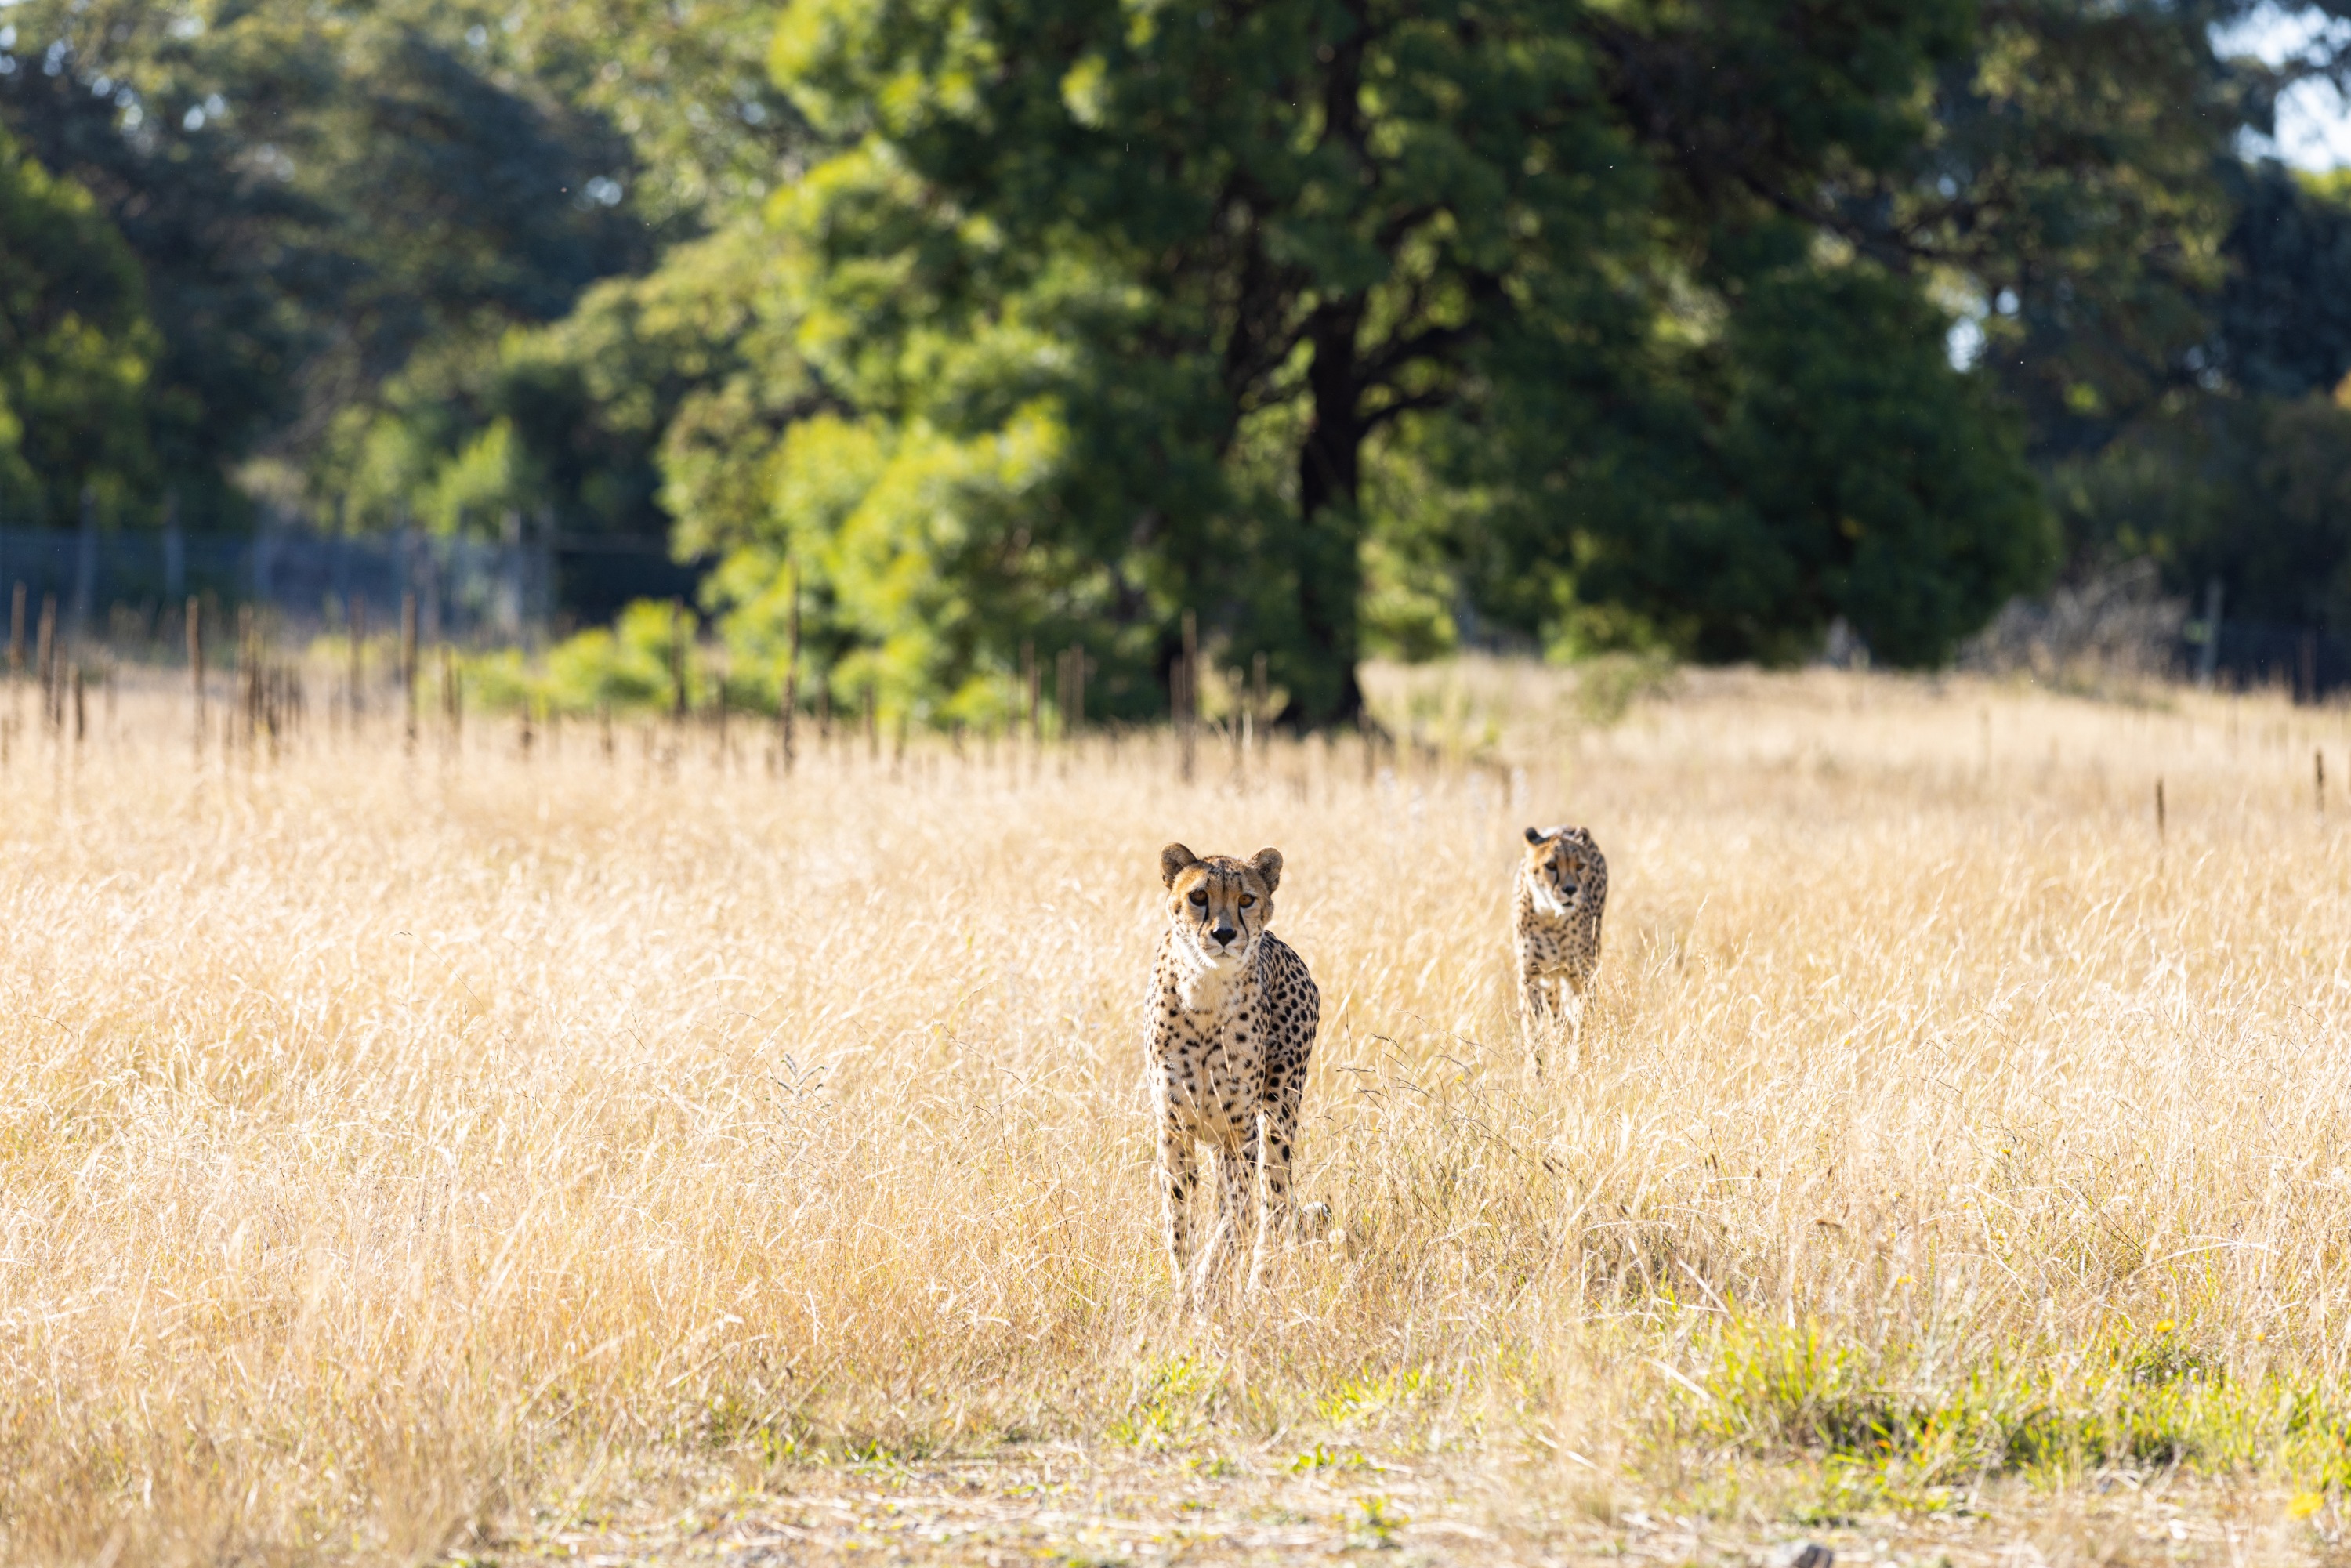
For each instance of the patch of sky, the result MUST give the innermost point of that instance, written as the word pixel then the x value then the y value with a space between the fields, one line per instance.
pixel 2313 118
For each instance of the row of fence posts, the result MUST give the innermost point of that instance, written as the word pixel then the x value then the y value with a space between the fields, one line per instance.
pixel 272 695
pixel 59 674
pixel 1184 692
pixel 2317 793
pixel 1072 669
pixel 270 699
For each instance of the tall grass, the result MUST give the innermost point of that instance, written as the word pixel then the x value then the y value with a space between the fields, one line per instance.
pixel 392 1137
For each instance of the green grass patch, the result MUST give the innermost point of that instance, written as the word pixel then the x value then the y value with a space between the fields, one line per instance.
pixel 2138 1401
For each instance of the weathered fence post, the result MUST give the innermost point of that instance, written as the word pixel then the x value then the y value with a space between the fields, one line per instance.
pixel 408 668
pixel 196 668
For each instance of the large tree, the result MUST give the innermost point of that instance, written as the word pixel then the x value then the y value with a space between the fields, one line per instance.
pixel 2167 307
pixel 1222 250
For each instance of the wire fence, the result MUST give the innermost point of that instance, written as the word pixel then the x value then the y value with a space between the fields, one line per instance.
pixel 127 587
pixel 96 581
pixel 2311 663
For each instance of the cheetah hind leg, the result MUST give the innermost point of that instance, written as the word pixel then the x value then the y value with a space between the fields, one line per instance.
pixel 1200 1290
pixel 1269 1188
pixel 1279 1211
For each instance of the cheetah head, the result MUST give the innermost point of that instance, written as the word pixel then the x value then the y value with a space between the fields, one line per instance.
pixel 1218 904
pixel 1563 867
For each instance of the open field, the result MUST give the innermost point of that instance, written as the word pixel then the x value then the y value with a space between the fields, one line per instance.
pixel 500 1152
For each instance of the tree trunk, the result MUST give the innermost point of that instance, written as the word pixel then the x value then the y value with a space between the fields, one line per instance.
pixel 1330 570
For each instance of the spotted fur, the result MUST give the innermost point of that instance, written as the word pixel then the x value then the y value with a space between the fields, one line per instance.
pixel 1233 1016
pixel 1562 889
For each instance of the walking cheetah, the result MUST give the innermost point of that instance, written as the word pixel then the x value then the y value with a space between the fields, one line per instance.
pixel 1555 925
pixel 1233 1016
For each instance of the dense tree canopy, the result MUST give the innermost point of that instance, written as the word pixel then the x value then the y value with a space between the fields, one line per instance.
pixel 1348 325
pixel 315 195
pixel 1193 266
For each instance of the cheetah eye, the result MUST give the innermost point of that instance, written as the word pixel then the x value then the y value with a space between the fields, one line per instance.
pixel 1200 900
pixel 1248 899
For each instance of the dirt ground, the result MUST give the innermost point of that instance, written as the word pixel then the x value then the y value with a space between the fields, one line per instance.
pixel 1066 1507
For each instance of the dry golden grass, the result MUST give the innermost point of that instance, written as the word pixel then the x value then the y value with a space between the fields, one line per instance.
pixel 400 1153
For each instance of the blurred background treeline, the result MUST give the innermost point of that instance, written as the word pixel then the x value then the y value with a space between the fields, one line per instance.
pixel 967 330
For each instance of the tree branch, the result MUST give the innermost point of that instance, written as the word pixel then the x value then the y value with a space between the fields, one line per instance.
pixel 1388 412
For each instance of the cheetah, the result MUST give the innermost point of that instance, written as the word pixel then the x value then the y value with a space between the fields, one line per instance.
pixel 1232 1019
pixel 1562 889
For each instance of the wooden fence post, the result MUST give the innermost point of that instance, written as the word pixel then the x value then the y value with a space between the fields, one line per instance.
pixel 408 668
pixel 196 667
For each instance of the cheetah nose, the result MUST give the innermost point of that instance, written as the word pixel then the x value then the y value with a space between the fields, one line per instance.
pixel 1222 933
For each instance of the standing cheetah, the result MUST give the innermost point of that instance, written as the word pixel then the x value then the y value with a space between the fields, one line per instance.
pixel 1555 925
pixel 1233 1015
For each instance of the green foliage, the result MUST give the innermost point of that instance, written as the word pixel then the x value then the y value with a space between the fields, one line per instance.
pixel 1172 1406
pixel 685 80
pixel 2247 480
pixel 2282 321
pixel 2136 1399
pixel 641 404
pixel 630 666
pixel 1193 274
pixel 75 350
pixel 1818 456
pixel 2084 206
pixel 1413 592
pixel 2254 492
pixel 1375 1523
pixel 314 195
pixel 1369 1395
pixel 1384 328
pixel 2152 301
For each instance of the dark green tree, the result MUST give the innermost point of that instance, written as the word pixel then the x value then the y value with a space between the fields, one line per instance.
pixel 685 80
pixel 2176 356
pixel 313 194
pixel 1246 241
pixel 75 346
pixel 2134 276
pixel 1729 498
pixel 2282 326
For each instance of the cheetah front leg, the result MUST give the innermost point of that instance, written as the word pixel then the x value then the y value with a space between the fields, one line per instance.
pixel 1535 1012
pixel 1178 1174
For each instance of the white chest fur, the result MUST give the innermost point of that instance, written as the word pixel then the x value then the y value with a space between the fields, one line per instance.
pixel 1210 989
pixel 1547 900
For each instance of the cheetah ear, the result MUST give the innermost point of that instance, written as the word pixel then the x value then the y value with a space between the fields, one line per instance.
pixel 1534 836
pixel 1266 863
pixel 1172 861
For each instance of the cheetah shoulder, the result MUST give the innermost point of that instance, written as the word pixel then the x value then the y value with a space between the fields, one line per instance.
pixel 1288 979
